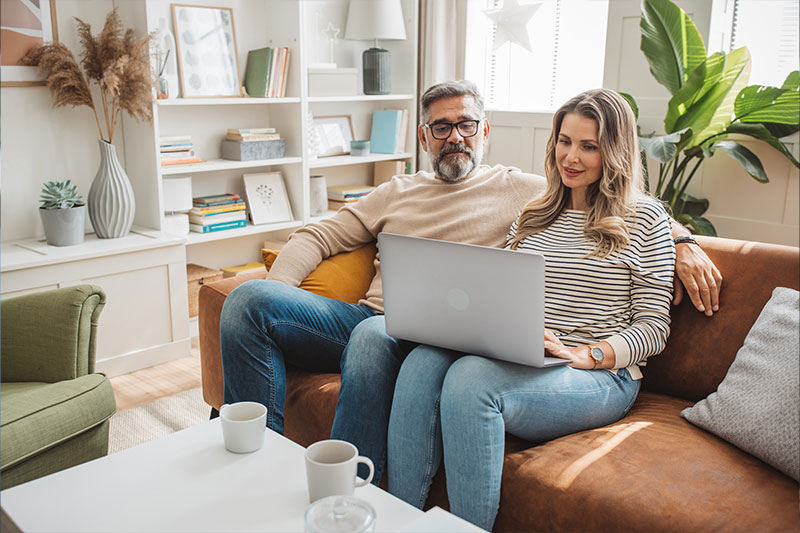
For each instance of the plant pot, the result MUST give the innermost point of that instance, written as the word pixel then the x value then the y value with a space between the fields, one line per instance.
pixel 64 227
pixel 111 202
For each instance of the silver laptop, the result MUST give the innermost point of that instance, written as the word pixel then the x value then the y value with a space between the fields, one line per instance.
pixel 473 299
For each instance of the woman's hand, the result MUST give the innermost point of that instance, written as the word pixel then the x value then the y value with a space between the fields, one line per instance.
pixel 579 355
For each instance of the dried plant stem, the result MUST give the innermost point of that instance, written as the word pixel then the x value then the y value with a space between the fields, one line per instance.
pixel 97 119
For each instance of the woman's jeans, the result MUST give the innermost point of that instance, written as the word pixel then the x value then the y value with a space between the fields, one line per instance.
pixel 266 324
pixel 462 406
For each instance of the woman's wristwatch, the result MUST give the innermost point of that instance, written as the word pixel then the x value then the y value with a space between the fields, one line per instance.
pixel 597 355
pixel 686 238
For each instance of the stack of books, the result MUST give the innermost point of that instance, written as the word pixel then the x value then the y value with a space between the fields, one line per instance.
pixel 341 195
pixel 252 134
pixel 389 131
pixel 216 213
pixel 177 150
pixel 266 72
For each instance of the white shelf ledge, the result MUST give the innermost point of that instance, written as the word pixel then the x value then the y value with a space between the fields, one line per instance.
pixel 361 98
pixel 250 229
pixel 212 165
pixel 226 101
pixel 344 160
pixel 29 253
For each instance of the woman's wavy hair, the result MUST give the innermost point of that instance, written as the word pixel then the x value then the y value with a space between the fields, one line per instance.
pixel 611 198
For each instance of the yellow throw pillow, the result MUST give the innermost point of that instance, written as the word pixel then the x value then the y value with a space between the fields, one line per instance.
pixel 344 276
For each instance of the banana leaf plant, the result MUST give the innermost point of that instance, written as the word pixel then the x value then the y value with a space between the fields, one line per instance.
pixel 711 109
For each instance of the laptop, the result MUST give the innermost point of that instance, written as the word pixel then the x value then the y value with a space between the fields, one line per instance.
pixel 473 299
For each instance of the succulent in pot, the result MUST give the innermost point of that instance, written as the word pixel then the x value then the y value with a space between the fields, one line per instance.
pixel 63 213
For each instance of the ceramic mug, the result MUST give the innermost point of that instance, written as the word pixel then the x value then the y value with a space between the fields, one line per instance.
pixel 243 426
pixel 331 469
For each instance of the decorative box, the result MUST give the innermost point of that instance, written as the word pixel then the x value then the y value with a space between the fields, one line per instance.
pixel 197 276
pixel 332 81
pixel 253 150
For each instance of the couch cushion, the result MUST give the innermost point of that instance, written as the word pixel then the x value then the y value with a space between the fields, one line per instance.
pixel 344 276
pixel 755 407
pixel 37 416
pixel 652 471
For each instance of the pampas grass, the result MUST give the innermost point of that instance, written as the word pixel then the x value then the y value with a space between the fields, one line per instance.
pixel 117 62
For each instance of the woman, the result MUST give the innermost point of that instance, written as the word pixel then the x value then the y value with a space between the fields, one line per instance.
pixel 609 265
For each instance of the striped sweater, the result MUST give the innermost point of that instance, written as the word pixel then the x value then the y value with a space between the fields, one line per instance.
pixel 623 299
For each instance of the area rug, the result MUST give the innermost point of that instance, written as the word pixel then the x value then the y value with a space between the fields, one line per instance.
pixel 157 419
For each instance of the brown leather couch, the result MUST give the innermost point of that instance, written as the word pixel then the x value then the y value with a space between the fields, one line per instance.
pixel 651 471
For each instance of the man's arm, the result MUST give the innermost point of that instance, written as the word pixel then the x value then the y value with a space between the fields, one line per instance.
pixel 696 273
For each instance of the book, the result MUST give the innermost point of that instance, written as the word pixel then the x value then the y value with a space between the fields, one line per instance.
pixel 273 76
pixel 201 211
pixel 182 161
pixel 177 155
pixel 335 205
pixel 252 137
pixel 216 198
pixel 175 139
pixel 197 228
pixel 402 134
pixel 175 147
pixel 232 271
pixel 259 67
pixel 284 71
pixel 343 192
pixel 385 170
pixel 208 219
pixel 250 131
pixel 386 125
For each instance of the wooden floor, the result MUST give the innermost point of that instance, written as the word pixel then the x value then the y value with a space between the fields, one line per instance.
pixel 160 381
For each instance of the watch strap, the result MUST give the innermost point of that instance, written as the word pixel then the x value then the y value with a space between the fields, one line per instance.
pixel 686 239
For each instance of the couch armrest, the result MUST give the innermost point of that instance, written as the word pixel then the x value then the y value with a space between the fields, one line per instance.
pixel 211 298
pixel 51 335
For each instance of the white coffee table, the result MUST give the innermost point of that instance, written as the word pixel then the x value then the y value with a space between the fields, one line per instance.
pixel 186 481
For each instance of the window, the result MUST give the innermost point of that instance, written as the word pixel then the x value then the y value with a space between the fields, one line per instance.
pixel 770 29
pixel 568 39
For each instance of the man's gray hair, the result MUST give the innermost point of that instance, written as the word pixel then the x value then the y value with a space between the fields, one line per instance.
pixel 449 89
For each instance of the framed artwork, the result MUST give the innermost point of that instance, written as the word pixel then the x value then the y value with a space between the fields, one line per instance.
pixel 266 198
pixel 332 135
pixel 25 25
pixel 206 44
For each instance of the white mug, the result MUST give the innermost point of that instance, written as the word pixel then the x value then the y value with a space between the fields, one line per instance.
pixel 243 426
pixel 331 469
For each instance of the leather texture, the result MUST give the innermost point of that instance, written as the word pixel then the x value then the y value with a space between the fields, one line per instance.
pixel 651 471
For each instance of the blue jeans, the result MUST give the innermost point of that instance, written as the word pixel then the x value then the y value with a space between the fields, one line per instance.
pixel 461 406
pixel 266 324
pixel 370 364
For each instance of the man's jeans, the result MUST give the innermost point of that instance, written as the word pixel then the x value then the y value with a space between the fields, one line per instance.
pixel 461 406
pixel 266 324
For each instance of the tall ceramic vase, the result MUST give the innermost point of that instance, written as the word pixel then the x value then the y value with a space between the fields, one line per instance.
pixel 111 202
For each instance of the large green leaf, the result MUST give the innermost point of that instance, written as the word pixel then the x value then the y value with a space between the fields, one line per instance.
pixel 749 161
pixel 699 225
pixel 670 42
pixel 792 81
pixel 694 206
pixel 683 106
pixel 662 148
pixel 631 102
pixel 715 109
pixel 768 104
pixel 760 131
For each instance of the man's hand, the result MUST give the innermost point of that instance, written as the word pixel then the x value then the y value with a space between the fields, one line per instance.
pixel 699 276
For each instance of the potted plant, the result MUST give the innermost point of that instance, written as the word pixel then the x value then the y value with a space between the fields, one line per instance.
pixel 712 107
pixel 119 65
pixel 63 213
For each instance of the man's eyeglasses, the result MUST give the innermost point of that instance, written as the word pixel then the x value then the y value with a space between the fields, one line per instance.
pixel 442 130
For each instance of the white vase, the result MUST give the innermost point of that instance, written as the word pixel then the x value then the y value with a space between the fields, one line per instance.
pixel 111 202
pixel 318 196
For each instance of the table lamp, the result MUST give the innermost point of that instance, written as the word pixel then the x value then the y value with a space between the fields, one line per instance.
pixel 177 203
pixel 373 20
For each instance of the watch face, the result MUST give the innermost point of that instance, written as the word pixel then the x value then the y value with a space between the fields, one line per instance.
pixel 597 354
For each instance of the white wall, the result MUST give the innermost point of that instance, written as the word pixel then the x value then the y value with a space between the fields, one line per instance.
pixel 740 207
pixel 39 143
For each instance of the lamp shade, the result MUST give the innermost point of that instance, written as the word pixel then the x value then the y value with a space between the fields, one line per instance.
pixel 375 19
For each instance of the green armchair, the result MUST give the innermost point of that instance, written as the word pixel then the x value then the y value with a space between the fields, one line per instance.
pixel 54 410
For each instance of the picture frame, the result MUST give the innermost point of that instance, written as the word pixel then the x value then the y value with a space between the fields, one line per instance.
pixel 333 134
pixel 267 201
pixel 25 26
pixel 208 60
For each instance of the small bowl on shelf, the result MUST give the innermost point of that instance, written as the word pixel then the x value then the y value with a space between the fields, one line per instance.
pixel 359 148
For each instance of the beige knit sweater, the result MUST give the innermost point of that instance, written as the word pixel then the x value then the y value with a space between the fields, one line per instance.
pixel 478 210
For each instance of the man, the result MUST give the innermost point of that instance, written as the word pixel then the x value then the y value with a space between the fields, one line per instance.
pixel 265 323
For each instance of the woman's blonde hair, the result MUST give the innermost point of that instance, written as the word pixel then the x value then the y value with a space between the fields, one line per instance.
pixel 614 195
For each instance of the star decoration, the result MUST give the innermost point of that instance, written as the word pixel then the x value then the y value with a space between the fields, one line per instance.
pixel 330 32
pixel 511 21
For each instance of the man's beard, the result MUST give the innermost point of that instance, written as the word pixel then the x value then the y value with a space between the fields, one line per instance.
pixel 455 168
